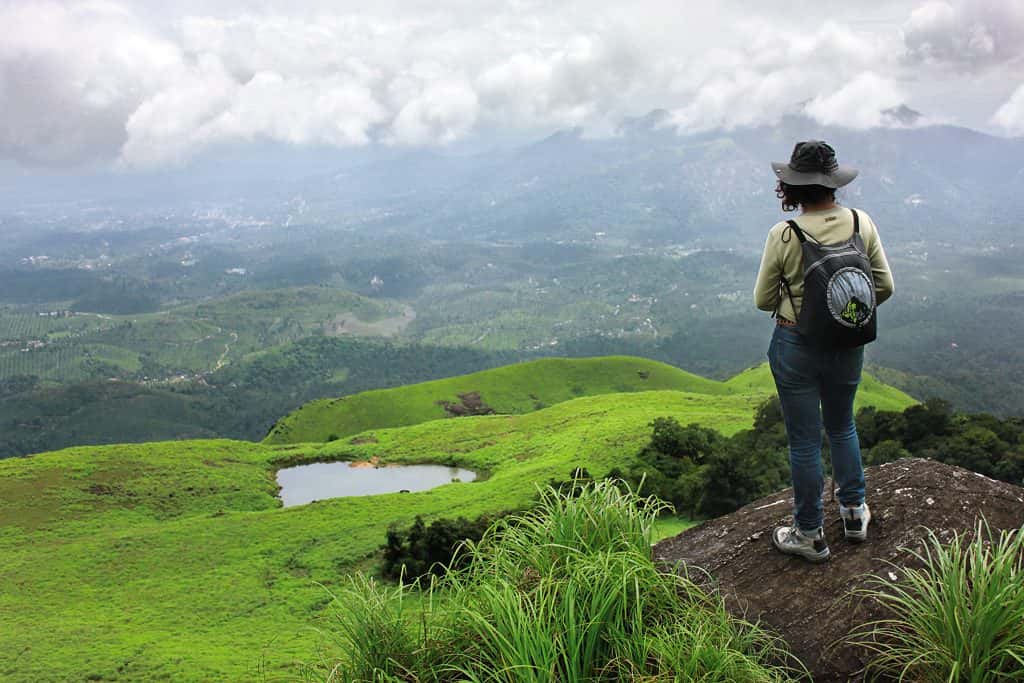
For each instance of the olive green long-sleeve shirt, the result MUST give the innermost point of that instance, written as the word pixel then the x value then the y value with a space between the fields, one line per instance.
pixel 782 257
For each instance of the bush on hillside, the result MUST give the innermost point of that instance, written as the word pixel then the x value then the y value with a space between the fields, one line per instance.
pixel 702 473
pixel 674 465
pixel 566 591
pixel 882 452
pixel 423 550
pixel 750 465
pixel 979 442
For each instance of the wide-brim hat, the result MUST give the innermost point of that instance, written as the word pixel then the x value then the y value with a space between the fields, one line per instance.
pixel 814 163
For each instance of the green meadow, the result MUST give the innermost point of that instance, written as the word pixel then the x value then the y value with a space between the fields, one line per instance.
pixel 175 561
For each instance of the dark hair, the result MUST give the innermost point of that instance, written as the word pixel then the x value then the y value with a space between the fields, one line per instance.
pixel 793 196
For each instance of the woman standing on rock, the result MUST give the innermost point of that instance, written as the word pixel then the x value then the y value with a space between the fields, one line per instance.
pixel 822 276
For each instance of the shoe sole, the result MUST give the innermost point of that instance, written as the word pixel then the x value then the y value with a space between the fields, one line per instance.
pixel 816 558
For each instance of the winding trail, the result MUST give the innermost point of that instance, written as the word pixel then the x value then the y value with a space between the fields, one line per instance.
pixel 222 361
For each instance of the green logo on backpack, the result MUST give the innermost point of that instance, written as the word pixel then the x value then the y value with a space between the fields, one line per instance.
pixel 855 312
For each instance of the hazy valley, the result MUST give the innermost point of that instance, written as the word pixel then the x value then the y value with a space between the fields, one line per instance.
pixel 644 243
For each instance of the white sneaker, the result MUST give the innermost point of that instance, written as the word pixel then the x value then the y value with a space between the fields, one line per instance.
pixel 810 546
pixel 855 521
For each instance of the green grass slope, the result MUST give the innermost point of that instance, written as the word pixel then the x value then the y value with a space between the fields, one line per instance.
pixel 525 387
pixel 174 561
pixel 511 389
pixel 871 392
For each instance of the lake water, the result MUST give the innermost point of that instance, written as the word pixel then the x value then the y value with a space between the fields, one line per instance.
pixel 305 483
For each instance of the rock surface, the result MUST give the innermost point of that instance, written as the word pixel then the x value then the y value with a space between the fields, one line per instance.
pixel 810 605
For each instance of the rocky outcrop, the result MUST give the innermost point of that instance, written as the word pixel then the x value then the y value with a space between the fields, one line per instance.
pixel 811 606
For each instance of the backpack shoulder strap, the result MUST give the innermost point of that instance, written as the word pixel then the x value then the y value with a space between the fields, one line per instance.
pixel 856 221
pixel 796 229
pixel 789 293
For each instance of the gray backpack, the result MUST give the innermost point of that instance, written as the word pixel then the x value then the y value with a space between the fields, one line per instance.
pixel 839 304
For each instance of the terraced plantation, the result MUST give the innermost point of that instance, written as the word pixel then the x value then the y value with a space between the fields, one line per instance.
pixel 175 560
pixel 190 339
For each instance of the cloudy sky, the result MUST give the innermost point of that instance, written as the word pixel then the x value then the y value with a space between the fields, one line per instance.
pixel 148 84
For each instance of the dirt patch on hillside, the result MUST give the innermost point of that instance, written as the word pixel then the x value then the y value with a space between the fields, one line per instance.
pixel 104 490
pixel 347 324
pixel 810 605
pixel 469 403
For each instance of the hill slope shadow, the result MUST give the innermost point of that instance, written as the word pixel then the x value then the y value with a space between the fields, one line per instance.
pixel 811 605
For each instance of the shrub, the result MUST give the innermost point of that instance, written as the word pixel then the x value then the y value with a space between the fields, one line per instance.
pixel 980 442
pixel 700 472
pixel 423 550
pixel 742 471
pixel 960 617
pixel 885 451
pixel 672 466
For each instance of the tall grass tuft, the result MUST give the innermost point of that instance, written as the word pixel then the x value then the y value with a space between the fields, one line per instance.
pixel 565 593
pixel 388 638
pixel 960 617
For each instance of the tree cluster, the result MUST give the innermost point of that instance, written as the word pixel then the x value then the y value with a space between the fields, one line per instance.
pixel 705 474
pixel 425 549
pixel 979 442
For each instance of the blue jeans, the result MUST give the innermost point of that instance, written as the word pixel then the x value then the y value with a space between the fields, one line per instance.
pixel 817 387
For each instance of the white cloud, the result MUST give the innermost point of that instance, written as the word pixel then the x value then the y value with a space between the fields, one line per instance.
pixel 174 120
pixel 146 84
pixel 588 76
pixel 859 103
pixel 208 107
pixel 1010 116
pixel 829 69
pixel 967 34
pixel 70 77
pixel 441 112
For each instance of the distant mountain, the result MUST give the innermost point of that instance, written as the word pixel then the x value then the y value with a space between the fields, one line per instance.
pixel 652 182
pixel 901 115
pixel 649 182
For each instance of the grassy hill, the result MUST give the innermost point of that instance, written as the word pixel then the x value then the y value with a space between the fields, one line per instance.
pixel 240 401
pixel 525 387
pixel 174 560
pixel 871 392
pixel 511 389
